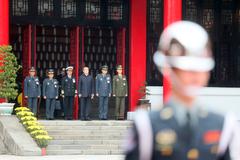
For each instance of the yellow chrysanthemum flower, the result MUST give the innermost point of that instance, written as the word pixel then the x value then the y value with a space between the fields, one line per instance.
pixel 40 132
pixel 35 127
pixel 22 109
pixel 30 123
pixel 28 118
pixel 21 114
pixel 43 137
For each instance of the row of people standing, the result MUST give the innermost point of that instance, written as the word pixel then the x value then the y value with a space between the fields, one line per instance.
pixel 104 87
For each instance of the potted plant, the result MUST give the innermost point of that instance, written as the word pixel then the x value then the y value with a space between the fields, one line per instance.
pixel 143 102
pixel 8 75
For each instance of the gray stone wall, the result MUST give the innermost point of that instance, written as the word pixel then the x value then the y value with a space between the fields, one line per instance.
pixel 3 149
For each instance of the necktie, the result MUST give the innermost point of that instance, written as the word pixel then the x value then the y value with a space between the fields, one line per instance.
pixel 187 128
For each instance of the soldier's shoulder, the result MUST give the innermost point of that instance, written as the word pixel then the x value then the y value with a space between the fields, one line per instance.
pixel 164 113
pixel 98 76
pixel 212 116
pixel 45 80
pixel 115 77
pixel 154 115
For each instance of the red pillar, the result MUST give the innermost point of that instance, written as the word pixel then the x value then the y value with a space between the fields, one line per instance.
pixel 74 60
pixel 121 40
pixel 27 53
pixel 172 11
pixel 4 26
pixel 137 56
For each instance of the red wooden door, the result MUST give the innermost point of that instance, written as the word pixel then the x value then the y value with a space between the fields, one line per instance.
pixel 28 47
pixel 74 60
pixel 121 47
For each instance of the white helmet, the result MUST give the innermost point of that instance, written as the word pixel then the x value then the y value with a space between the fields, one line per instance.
pixel 184 45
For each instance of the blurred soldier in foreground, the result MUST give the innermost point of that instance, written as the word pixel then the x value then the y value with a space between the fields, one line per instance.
pixel 85 93
pixel 32 90
pixel 182 129
pixel 120 90
pixel 68 92
pixel 50 94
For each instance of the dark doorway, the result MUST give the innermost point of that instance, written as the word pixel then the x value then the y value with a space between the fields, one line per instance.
pixel 54 34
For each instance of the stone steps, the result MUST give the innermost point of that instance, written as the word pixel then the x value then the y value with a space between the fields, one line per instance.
pixel 78 142
pixel 98 128
pixel 85 123
pixel 84 152
pixel 86 137
pixel 84 147
pixel 88 132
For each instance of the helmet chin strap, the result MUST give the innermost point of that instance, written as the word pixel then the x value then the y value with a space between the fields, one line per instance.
pixel 186 90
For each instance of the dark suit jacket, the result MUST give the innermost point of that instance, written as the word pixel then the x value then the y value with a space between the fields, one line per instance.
pixel 85 85
pixel 69 86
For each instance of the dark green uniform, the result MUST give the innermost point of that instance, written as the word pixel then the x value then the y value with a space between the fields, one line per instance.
pixel 120 90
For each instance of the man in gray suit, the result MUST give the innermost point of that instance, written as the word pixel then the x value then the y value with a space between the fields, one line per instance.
pixel 50 94
pixel 103 91
pixel 85 93
pixel 32 90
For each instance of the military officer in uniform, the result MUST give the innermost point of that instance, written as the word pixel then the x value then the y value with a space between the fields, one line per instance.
pixel 103 91
pixel 183 129
pixel 61 74
pixel 120 90
pixel 69 92
pixel 32 90
pixel 50 94
pixel 85 93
